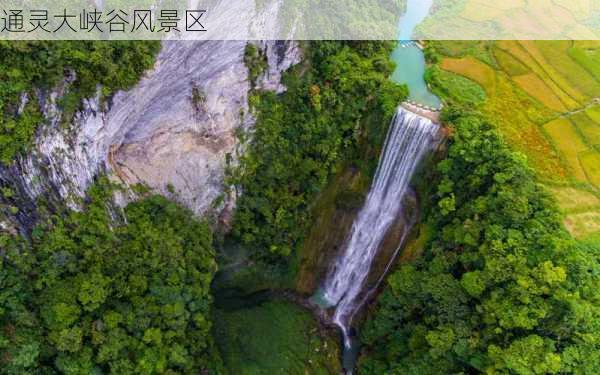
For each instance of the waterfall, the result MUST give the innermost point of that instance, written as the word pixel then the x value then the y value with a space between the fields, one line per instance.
pixel 409 137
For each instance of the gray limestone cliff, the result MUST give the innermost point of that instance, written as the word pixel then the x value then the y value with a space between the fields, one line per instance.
pixel 174 131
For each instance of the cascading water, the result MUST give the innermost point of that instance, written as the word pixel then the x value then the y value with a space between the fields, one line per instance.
pixel 409 137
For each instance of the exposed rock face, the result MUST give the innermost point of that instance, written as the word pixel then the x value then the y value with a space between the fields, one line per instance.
pixel 331 228
pixel 173 131
pixel 173 141
pixel 179 142
pixel 281 56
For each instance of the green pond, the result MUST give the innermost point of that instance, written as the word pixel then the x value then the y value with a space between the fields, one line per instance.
pixel 410 68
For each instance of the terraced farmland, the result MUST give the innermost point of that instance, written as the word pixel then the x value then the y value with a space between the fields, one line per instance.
pixel 544 97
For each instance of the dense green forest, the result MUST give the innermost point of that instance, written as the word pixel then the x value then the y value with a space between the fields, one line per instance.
pixel 340 96
pixel 501 287
pixel 34 68
pixel 105 290
pixel 128 292
pixel 334 113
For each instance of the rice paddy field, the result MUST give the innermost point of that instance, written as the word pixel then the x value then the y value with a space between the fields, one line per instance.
pixel 544 96
pixel 511 19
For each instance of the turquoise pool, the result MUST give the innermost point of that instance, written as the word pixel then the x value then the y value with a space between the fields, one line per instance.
pixel 409 59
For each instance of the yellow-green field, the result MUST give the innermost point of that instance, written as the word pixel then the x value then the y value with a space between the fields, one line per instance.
pixel 510 19
pixel 590 129
pixel 593 113
pixel 545 98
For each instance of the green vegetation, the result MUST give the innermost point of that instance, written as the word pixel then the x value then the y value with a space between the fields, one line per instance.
pixel 339 97
pixel 458 48
pixel 256 62
pixel 541 97
pixel 488 20
pixel 274 338
pixel 198 99
pixel 556 60
pixel 29 66
pixel 334 112
pixel 509 63
pixel 501 286
pixel 491 282
pixel 102 291
pixel 453 87
pixel 315 20
pixel 349 199
pixel 589 128
pixel 332 214
pixel 587 54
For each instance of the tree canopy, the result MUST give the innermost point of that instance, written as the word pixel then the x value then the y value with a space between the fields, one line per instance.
pixel 108 291
pixel 30 69
pixel 502 287
pixel 340 93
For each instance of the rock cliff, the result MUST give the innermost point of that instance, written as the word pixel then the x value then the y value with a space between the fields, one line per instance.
pixel 174 131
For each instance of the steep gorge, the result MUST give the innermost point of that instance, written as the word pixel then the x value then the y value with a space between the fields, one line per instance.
pixel 175 132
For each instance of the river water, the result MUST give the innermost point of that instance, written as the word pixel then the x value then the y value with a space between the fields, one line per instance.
pixel 409 58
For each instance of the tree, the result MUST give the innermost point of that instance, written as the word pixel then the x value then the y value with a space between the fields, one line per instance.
pixel 28 68
pixel 502 286
pixel 123 293
pixel 339 97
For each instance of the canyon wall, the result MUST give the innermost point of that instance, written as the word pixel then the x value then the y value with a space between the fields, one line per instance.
pixel 174 131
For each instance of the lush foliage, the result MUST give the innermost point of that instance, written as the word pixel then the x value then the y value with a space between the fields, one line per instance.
pixel 42 65
pixel 341 93
pixel 256 62
pixel 502 287
pixel 274 337
pixel 454 88
pixel 90 295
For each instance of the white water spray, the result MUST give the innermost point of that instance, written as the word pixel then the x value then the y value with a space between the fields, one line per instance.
pixel 410 136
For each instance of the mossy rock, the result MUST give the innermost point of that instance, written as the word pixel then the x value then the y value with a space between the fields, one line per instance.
pixel 349 199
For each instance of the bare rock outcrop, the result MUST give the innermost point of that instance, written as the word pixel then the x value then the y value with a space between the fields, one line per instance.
pixel 174 131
